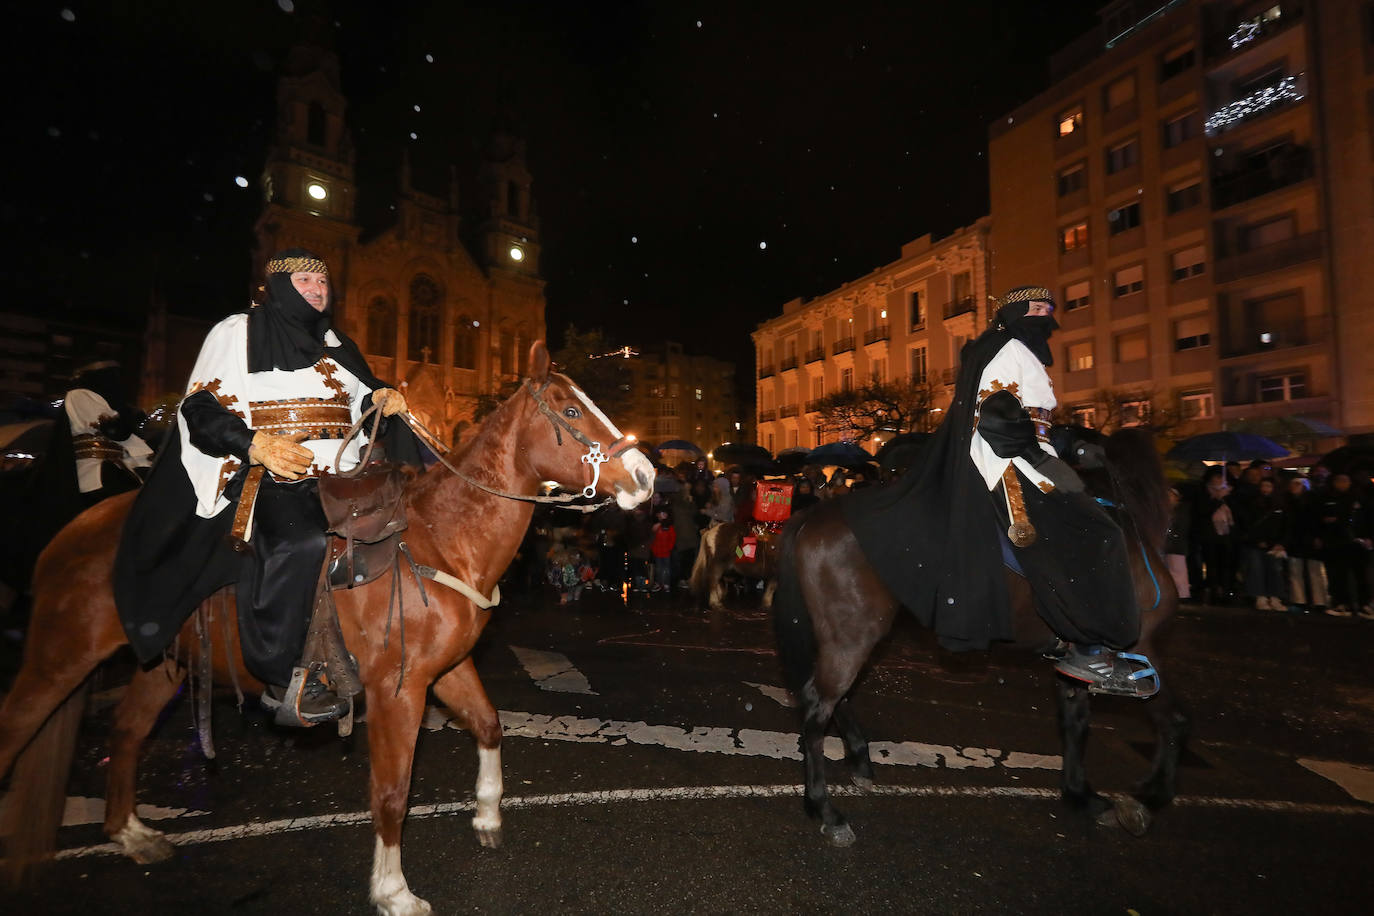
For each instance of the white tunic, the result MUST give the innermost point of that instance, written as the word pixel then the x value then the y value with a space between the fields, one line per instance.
pixel 84 409
pixel 222 369
pixel 1017 370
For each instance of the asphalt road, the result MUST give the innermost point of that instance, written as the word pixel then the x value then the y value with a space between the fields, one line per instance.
pixel 650 767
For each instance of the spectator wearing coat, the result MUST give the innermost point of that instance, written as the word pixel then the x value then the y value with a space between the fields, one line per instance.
pixel 1262 525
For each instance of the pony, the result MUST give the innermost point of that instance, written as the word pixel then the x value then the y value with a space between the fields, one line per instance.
pixel 716 557
pixel 467 524
pixel 832 610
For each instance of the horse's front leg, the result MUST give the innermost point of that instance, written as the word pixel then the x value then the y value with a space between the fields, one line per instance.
pixel 148 693
pixel 393 723
pixel 462 692
pixel 1075 714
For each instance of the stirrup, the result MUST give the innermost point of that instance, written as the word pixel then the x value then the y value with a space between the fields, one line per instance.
pixel 308 684
pixel 1123 674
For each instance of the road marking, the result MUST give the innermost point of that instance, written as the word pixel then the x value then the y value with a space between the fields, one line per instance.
pixel 780 695
pixel 752 742
pixel 553 671
pixel 1357 781
pixel 83 810
pixel 682 793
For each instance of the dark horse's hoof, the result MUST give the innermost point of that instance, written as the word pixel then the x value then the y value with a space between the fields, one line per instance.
pixel 840 835
pixel 1128 814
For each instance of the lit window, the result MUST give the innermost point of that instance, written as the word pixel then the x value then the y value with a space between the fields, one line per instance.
pixel 1080 355
pixel 1071 121
pixel 1072 238
pixel 1197 405
pixel 1084 415
pixel 1135 413
pixel 316 190
pixel 918 365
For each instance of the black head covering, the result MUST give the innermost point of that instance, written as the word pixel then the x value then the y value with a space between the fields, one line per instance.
pixel 286 332
pixel 1032 330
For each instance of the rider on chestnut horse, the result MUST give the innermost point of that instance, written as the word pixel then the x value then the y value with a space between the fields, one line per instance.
pixel 232 498
pixel 936 537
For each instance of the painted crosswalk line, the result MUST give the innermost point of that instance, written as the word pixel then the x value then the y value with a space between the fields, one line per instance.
pixel 552 671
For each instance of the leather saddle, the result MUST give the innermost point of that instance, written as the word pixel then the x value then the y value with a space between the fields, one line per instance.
pixel 366 513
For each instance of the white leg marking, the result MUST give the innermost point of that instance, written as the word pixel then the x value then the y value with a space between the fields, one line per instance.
pixel 487 821
pixel 390 893
pixel 142 843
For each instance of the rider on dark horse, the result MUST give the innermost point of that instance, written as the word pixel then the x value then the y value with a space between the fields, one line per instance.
pixel 233 496
pixel 994 493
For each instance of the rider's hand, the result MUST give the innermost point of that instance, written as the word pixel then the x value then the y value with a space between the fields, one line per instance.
pixel 389 401
pixel 284 456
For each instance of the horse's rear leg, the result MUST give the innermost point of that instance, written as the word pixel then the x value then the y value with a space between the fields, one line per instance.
pixel 148 693
pixel 393 723
pixel 1075 715
pixel 462 692
pixel 1171 732
pixel 834 826
pixel 855 744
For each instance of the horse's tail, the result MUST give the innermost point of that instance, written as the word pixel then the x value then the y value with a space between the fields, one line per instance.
pixel 36 800
pixel 701 577
pixel 792 620
pixel 1138 475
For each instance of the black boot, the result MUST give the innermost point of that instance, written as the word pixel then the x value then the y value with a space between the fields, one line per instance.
pixel 307 700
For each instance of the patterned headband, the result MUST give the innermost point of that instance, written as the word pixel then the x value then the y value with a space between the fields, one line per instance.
pixel 1028 294
pixel 296 266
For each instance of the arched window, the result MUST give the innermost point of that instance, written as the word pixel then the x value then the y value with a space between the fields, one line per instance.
pixel 381 327
pixel 466 333
pixel 315 124
pixel 423 336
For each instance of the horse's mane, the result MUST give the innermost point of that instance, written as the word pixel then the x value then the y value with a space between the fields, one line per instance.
pixel 1138 475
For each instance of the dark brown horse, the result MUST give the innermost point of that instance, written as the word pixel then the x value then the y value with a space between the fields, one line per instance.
pixel 467 524
pixel 832 609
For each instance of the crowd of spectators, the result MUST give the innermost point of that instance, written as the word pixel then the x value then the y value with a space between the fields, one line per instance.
pixel 1299 543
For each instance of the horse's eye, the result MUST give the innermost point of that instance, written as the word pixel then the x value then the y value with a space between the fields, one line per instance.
pixel 572 413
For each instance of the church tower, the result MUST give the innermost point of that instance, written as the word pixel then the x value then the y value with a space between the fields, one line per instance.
pixel 509 232
pixel 308 179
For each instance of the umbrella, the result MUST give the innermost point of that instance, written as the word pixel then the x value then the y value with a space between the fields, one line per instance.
pixel 845 454
pixel 1226 446
pixel 1286 428
pixel 666 483
pixel 903 451
pixel 792 460
pixel 679 445
pixel 743 454
pixel 1356 460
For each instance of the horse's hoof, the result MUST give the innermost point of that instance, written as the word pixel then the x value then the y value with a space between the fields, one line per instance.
pixel 840 835
pixel 405 904
pixel 1133 817
pixel 863 782
pixel 143 844
pixel 489 837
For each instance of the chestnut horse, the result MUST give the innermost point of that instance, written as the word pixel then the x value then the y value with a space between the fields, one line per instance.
pixel 832 610
pixel 467 523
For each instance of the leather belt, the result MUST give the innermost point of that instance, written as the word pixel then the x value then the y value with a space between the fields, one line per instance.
pixel 1040 416
pixel 91 445
pixel 316 417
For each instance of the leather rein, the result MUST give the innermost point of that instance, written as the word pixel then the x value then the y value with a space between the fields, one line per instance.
pixel 593 459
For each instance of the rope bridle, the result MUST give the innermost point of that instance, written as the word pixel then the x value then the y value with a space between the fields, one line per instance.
pixel 593 459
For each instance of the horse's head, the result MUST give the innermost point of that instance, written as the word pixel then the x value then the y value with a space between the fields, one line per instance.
pixel 581 449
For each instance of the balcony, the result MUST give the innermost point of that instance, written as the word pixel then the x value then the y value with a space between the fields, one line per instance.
pixel 787 410
pixel 788 363
pixel 815 354
pixel 813 405
pixel 948 376
pixel 1237 37
pixel 767 416
pixel 1252 339
pixel 767 372
pixel 1260 103
pixel 1277 256
pixel 1286 168
pixel 960 306
pixel 843 345
pixel 881 332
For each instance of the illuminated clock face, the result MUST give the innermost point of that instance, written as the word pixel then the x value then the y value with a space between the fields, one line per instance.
pixel 317 190
pixel 517 253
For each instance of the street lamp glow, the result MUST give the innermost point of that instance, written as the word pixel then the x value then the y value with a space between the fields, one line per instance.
pixel 316 190
pixel 517 253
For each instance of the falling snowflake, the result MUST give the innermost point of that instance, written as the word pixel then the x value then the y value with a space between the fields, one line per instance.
pixel 429 58
pixel 241 181
pixel 416 107
pixel 634 240
pixel 286 6
pixel 414 136
pixel 762 245
pixel 68 15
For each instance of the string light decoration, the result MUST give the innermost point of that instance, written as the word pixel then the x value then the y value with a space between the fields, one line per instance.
pixel 1285 90
pixel 1250 29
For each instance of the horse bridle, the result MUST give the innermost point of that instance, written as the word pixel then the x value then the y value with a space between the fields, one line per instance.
pixel 594 458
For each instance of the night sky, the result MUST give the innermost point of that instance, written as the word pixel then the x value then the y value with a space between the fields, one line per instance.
pixel 696 165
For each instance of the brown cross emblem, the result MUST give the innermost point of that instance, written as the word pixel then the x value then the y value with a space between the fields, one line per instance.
pixel 327 368
pixel 225 400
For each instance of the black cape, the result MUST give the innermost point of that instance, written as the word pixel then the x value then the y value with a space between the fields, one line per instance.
pixel 936 536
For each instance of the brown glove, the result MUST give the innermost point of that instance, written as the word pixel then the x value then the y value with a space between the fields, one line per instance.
pixel 389 401
pixel 284 456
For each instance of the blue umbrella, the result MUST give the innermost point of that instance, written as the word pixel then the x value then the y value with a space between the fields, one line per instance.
pixel 845 454
pixel 1226 446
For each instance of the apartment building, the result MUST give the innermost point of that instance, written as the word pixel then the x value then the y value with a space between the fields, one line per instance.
pixel 906 320
pixel 1197 187
pixel 675 395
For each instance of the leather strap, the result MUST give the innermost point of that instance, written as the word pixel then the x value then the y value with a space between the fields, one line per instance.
pixel 243 513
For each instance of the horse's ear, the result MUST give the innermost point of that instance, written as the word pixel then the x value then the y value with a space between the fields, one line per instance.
pixel 539 361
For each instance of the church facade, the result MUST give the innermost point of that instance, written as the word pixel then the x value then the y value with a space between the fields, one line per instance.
pixel 446 311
